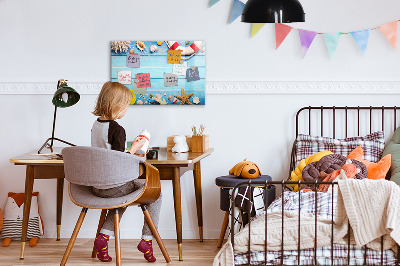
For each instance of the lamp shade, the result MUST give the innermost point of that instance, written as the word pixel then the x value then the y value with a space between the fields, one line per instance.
pixel 65 96
pixel 273 11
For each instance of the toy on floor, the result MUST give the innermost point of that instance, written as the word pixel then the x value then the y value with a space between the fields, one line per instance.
pixel 245 169
pixel 13 215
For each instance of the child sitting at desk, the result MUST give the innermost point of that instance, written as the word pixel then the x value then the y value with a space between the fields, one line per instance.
pixel 112 103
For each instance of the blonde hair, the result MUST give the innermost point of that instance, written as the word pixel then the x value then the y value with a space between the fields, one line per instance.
pixel 112 99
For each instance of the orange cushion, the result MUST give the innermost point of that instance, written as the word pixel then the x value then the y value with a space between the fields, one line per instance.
pixel 375 170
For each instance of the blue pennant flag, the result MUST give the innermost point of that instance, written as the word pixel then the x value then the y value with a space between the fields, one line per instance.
pixel 237 9
pixel 332 41
pixel 213 2
pixel 361 37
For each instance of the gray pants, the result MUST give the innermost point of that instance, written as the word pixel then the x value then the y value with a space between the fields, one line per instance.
pixel 154 208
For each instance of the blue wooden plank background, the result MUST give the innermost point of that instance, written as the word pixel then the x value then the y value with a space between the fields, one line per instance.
pixel 156 64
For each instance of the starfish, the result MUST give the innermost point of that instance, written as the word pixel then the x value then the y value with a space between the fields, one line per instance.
pixel 185 97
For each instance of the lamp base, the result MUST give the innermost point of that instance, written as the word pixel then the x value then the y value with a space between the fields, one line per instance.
pixel 50 146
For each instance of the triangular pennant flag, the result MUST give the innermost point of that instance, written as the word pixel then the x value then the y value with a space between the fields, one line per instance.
pixel 213 2
pixel 361 37
pixel 237 9
pixel 306 39
pixel 332 41
pixel 281 31
pixel 255 28
pixel 389 30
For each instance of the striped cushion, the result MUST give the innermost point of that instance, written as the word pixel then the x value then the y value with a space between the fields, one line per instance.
pixel 372 145
pixel 13 228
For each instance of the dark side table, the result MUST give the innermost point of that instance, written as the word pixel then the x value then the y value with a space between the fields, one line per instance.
pixel 228 182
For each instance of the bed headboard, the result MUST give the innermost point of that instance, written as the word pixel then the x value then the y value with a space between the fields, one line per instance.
pixel 344 121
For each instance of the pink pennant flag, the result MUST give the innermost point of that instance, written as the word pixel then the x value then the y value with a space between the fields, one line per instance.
pixel 281 31
pixel 389 30
pixel 306 39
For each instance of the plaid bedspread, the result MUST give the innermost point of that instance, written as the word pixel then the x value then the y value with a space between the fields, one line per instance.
pixel 307 202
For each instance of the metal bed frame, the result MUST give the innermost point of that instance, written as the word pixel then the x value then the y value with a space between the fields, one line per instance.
pixel 283 184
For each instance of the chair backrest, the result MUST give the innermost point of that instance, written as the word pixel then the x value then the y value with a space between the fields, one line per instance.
pixel 92 166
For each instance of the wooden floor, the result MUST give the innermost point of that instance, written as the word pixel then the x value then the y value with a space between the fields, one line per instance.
pixel 50 252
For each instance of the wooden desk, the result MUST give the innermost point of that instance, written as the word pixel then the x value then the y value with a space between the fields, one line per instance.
pixel 169 165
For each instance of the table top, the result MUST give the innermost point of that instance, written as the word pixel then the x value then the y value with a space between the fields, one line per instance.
pixel 164 157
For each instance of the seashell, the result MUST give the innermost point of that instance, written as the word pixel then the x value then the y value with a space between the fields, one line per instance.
pixel 132 51
pixel 140 45
pixel 169 98
pixel 160 99
pixel 196 100
pixel 120 46
pixel 159 43
pixel 175 100
pixel 154 48
pixel 140 102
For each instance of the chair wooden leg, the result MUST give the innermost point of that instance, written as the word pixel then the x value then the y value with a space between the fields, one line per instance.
pixel 223 229
pixel 154 230
pixel 101 222
pixel 73 237
pixel 117 239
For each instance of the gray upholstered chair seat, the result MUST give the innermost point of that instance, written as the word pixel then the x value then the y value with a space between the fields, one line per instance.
pixel 83 196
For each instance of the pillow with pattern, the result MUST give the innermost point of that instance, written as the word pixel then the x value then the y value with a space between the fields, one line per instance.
pixel 372 145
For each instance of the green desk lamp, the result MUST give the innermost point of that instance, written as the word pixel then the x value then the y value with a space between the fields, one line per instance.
pixel 65 96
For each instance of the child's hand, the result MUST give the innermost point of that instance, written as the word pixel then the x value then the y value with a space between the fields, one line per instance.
pixel 137 144
pixel 143 155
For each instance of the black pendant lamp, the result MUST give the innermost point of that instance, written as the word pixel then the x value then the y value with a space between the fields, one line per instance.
pixel 273 11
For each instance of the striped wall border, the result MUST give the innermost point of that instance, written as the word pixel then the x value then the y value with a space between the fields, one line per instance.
pixel 233 87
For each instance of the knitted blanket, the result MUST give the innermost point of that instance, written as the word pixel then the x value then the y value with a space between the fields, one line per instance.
pixel 371 206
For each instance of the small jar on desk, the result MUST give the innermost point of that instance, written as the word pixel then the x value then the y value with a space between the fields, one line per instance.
pixel 226 183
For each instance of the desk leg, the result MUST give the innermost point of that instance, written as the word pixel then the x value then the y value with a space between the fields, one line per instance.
pixel 176 182
pixel 60 190
pixel 199 204
pixel 27 206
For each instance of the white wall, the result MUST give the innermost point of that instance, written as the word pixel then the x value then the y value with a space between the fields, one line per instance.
pixel 43 41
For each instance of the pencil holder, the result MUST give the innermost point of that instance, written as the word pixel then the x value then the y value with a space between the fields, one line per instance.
pixel 200 143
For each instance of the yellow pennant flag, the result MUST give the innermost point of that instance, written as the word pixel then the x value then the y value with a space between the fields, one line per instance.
pixel 256 27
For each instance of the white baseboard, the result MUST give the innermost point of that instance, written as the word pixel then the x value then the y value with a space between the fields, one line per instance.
pixel 232 87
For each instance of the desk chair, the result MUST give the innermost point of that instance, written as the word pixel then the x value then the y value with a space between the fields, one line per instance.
pixel 85 167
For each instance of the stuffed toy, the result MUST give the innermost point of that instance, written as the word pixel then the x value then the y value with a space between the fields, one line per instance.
pixel 296 174
pixel 245 169
pixel 180 144
pixel 1 219
pixel 13 215
pixel 375 170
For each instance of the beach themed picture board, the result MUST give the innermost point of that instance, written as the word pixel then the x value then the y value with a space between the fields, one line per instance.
pixel 161 72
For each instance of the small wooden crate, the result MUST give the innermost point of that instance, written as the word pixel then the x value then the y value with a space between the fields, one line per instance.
pixel 171 143
pixel 200 143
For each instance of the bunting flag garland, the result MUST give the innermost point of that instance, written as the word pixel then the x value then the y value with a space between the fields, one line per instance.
pixel 281 31
pixel 306 39
pixel 213 2
pixel 389 30
pixel 237 8
pixel 256 27
pixel 361 37
pixel 332 41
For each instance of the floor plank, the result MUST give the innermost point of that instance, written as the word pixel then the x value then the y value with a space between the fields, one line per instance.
pixel 49 252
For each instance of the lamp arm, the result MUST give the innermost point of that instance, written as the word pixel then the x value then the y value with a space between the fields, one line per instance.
pixel 54 126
